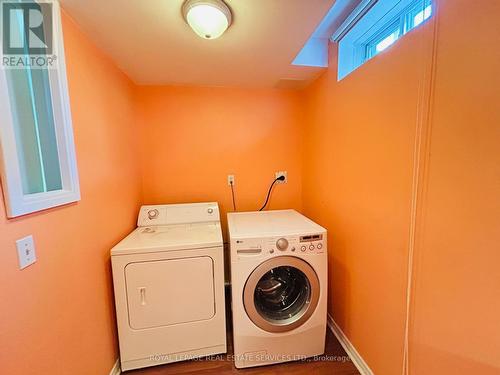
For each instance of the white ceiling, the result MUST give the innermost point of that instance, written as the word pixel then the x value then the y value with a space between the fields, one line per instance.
pixel 151 43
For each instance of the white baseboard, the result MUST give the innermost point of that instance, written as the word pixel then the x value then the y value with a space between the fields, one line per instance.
pixel 116 370
pixel 351 351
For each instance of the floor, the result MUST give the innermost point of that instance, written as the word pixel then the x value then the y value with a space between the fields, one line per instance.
pixel 335 362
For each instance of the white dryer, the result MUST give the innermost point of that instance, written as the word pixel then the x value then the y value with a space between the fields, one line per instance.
pixel 168 279
pixel 279 287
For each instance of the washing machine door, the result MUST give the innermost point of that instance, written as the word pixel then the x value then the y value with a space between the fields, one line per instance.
pixel 281 294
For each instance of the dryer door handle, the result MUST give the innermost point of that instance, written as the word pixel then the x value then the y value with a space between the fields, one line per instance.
pixel 142 291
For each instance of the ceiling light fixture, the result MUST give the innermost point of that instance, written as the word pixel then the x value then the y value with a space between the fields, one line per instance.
pixel 208 18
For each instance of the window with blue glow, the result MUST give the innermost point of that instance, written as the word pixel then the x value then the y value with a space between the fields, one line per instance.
pixel 408 20
pixel 378 29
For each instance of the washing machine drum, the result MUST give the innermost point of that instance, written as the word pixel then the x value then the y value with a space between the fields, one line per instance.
pixel 281 294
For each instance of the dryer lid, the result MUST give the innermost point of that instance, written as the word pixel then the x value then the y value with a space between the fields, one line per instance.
pixel 172 227
pixel 170 238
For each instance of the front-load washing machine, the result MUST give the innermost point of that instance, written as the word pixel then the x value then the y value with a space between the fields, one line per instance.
pixel 168 277
pixel 279 287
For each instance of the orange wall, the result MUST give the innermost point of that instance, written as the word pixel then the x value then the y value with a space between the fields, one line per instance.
pixel 360 139
pixel 57 316
pixel 359 144
pixel 456 311
pixel 192 138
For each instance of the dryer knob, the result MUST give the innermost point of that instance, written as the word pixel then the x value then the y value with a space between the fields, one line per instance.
pixel 282 244
pixel 153 214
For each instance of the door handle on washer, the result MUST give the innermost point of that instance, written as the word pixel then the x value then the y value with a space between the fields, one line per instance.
pixel 271 289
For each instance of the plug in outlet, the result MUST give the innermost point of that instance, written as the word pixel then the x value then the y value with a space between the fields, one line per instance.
pixel 26 251
pixel 230 179
pixel 282 173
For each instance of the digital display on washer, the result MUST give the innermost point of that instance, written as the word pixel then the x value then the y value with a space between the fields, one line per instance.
pixel 313 237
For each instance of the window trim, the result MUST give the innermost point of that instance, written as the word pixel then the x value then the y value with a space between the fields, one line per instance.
pixel 18 203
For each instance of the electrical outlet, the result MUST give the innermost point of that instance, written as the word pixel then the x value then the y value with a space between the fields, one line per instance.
pixel 26 251
pixel 230 179
pixel 282 173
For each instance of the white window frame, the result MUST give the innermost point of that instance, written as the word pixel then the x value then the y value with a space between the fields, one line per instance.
pixel 371 22
pixel 16 201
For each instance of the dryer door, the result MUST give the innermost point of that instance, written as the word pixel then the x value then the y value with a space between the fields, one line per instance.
pixel 281 294
pixel 171 291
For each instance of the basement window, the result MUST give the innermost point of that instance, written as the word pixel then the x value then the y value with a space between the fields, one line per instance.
pixel 38 164
pixel 375 26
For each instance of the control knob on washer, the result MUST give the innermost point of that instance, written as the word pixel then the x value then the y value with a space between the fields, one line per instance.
pixel 282 244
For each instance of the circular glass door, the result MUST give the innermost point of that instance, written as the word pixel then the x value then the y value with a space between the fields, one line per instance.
pixel 281 294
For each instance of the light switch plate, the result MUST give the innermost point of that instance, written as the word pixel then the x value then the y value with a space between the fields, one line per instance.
pixel 26 251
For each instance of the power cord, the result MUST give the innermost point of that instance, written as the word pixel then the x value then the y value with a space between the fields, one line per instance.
pixel 232 194
pixel 280 178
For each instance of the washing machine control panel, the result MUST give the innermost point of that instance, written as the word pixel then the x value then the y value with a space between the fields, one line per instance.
pixel 274 246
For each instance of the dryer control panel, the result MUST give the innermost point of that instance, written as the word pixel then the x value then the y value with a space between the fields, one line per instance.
pixel 166 214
